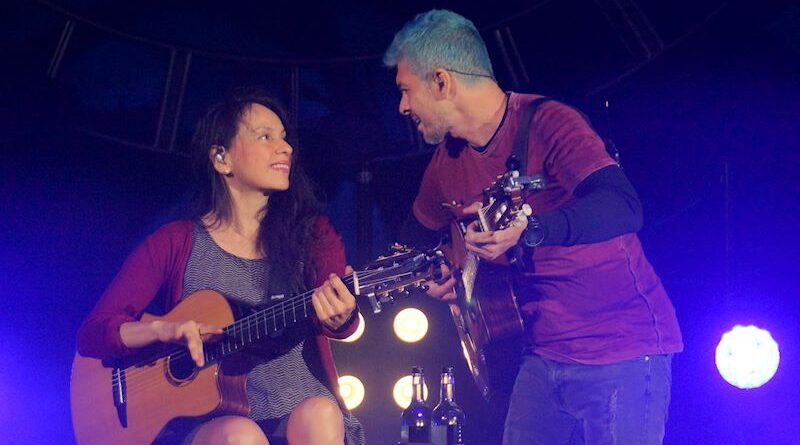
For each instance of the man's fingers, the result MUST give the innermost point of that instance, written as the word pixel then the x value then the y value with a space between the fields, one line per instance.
pixel 476 237
pixel 486 253
pixel 438 291
pixel 449 297
pixel 472 208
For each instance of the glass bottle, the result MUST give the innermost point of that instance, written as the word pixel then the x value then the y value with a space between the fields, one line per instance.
pixel 416 419
pixel 448 417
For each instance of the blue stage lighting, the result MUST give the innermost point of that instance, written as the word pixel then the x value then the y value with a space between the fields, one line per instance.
pixel 747 356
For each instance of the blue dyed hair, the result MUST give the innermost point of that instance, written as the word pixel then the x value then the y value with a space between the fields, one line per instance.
pixel 440 39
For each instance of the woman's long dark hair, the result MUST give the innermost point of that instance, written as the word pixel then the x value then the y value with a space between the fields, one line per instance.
pixel 287 222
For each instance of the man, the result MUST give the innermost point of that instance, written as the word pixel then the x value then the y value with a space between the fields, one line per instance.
pixel 600 327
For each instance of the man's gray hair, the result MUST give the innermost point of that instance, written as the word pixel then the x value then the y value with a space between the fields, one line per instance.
pixel 440 39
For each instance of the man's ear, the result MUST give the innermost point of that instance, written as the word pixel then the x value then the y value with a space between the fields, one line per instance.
pixel 442 82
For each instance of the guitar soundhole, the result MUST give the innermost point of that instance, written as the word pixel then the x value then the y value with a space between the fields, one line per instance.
pixel 181 367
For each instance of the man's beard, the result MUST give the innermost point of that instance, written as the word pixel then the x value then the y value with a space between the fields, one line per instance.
pixel 433 139
pixel 434 135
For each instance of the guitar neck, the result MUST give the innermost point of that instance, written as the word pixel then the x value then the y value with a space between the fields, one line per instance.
pixel 265 323
pixel 260 325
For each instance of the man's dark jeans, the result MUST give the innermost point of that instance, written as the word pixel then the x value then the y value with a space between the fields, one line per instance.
pixel 557 403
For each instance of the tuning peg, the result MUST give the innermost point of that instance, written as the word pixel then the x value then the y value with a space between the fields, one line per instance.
pixel 527 210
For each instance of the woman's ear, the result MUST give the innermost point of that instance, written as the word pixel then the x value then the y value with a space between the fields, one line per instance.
pixel 217 156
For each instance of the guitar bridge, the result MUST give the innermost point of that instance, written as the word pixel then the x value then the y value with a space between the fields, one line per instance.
pixel 119 389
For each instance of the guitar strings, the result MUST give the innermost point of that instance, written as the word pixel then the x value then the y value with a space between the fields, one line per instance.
pixel 301 298
pixel 134 380
pixel 137 378
pixel 132 373
pixel 141 376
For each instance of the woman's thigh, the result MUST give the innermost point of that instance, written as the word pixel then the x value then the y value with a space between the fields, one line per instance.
pixel 229 430
pixel 316 421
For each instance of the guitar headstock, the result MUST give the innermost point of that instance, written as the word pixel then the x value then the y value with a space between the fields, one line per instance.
pixel 504 199
pixel 395 274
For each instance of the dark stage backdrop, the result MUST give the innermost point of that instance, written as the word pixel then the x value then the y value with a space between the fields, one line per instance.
pixel 708 134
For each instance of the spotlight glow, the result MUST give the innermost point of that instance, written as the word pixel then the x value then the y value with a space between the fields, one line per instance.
pixel 352 391
pixel 747 356
pixel 403 391
pixel 359 330
pixel 410 325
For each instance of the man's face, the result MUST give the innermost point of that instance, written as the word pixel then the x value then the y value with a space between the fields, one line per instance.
pixel 417 101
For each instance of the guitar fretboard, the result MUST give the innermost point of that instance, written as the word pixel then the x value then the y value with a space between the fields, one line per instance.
pixel 262 324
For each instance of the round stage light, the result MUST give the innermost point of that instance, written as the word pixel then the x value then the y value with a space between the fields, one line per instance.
pixel 747 356
pixel 359 330
pixel 352 391
pixel 410 325
pixel 403 391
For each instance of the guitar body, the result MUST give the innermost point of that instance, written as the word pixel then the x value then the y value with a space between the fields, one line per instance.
pixel 133 401
pixel 157 391
pixel 486 316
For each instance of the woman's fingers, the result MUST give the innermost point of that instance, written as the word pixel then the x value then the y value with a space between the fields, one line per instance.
pixel 319 300
pixel 333 302
pixel 209 332
pixel 189 333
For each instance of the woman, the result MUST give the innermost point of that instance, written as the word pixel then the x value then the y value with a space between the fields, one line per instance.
pixel 256 232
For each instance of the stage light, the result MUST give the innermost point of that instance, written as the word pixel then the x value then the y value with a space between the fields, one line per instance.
pixel 410 325
pixel 359 330
pixel 403 392
pixel 747 356
pixel 352 391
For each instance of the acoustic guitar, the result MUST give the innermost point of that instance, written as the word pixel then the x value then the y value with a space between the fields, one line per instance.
pixel 130 402
pixel 486 314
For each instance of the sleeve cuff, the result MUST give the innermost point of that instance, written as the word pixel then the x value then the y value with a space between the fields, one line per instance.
pixel 344 330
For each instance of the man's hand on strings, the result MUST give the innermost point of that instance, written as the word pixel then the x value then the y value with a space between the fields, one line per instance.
pixel 491 245
pixel 443 288
pixel 333 302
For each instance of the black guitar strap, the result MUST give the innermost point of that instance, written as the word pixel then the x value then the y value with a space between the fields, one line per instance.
pixel 519 152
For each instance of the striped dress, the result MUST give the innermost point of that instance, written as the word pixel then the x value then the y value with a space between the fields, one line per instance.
pixel 282 378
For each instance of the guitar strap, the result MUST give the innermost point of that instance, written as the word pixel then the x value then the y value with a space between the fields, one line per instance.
pixel 519 151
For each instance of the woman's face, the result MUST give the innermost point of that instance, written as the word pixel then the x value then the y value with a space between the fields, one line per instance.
pixel 259 158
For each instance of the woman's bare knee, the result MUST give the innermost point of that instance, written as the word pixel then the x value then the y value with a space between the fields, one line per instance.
pixel 316 421
pixel 230 430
